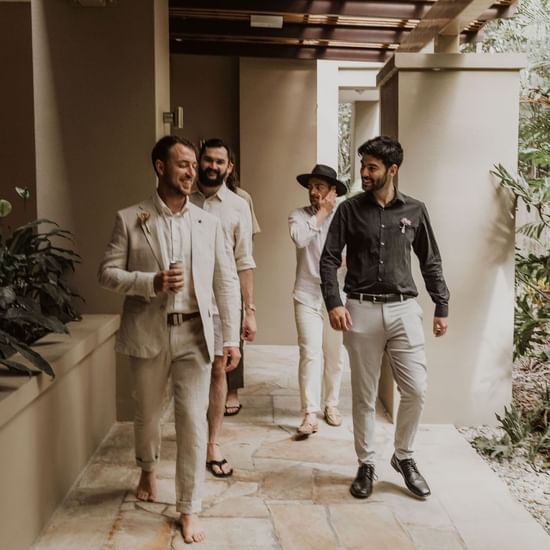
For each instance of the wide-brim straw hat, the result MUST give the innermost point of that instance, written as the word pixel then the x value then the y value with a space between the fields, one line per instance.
pixel 325 173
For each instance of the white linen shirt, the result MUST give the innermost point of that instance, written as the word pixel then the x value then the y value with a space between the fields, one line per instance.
pixel 309 239
pixel 174 231
pixel 234 214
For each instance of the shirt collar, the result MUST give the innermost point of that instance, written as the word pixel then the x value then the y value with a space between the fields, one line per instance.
pixel 163 210
pixel 220 194
pixel 399 197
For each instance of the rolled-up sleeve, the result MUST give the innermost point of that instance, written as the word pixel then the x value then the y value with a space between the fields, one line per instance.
pixel 302 228
pixel 243 240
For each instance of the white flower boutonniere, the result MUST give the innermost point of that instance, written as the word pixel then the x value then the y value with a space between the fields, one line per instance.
pixel 404 223
pixel 143 217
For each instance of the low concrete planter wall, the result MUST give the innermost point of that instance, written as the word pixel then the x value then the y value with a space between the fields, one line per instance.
pixel 49 429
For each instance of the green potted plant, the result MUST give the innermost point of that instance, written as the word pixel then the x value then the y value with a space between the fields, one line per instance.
pixel 35 297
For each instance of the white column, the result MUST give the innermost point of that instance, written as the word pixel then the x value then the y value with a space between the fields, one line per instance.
pixel 456 116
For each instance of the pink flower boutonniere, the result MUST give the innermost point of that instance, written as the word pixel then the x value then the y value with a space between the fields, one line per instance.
pixel 142 220
pixel 404 223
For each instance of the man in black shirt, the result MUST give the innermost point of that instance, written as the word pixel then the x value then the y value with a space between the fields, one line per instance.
pixel 379 228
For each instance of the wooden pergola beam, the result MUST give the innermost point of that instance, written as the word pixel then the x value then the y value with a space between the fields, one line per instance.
pixel 198 28
pixel 279 51
pixel 409 9
pixel 447 18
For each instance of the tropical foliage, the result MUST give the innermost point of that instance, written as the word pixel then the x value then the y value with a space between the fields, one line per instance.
pixel 345 154
pixel 527 429
pixel 528 32
pixel 35 297
pixel 525 424
pixel 532 311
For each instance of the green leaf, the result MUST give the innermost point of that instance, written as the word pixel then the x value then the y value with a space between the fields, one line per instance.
pixel 35 358
pixel 5 208
pixel 532 230
pixel 23 192
pixel 16 366
pixel 50 323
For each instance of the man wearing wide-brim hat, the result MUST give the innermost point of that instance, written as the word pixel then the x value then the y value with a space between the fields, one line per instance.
pixel 321 351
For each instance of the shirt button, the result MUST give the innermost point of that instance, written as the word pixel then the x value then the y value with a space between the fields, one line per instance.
pixel 382 244
pixel 382 225
pixel 379 279
pixel 381 261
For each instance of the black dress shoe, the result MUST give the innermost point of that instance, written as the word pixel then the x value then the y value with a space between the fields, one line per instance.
pixel 362 484
pixel 414 480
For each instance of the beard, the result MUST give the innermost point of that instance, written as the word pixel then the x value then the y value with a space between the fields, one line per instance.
pixel 376 184
pixel 314 202
pixel 208 181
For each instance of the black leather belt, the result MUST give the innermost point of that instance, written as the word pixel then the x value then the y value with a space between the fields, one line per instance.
pixel 382 298
pixel 175 319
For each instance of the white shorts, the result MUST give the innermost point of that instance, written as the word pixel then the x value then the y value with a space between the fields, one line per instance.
pixel 218 336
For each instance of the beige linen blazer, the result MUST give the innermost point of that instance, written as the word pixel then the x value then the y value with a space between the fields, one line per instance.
pixel 131 260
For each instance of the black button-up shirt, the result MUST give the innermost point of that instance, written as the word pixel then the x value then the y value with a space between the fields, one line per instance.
pixel 379 241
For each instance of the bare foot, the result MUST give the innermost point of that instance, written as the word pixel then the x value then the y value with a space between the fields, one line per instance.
pixel 214 454
pixel 191 529
pixel 232 404
pixel 232 399
pixel 147 486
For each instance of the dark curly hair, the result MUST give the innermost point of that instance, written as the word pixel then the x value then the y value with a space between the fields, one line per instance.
pixel 383 148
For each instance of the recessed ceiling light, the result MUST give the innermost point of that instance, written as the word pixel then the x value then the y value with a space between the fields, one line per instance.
pixel 267 21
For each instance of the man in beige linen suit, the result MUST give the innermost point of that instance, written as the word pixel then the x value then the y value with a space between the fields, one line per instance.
pixel 166 325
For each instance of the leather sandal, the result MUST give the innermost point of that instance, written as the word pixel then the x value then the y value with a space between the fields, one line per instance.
pixel 333 416
pixel 308 425
pixel 211 464
pixel 232 410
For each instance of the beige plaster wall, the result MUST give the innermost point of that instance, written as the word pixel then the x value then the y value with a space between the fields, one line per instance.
pixel 16 111
pixel 207 87
pixel 278 141
pixel 161 40
pixel 47 443
pixel 454 126
pixel 366 126
pixel 101 86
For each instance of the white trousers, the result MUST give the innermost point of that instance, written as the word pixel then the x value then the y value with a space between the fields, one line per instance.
pixel 185 360
pixel 321 358
pixel 395 328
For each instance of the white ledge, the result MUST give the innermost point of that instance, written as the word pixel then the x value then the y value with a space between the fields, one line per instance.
pixel 405 61
pixel 63 352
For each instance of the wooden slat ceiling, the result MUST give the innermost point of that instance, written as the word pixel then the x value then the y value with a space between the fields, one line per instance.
pixel 312 29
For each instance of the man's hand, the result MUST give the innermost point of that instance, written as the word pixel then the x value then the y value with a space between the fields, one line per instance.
pixel 168 280
pixel 329 202
pixel 231 357
pixel 440 326
pixel 340 319
pixel 248 329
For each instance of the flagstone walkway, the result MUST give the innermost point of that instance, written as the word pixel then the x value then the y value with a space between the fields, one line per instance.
pixel 293 495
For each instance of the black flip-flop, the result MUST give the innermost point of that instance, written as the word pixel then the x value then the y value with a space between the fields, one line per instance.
pixel 219 463
pixel 232 413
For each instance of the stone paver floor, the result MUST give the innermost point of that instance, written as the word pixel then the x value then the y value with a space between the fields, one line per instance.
pixel 293 495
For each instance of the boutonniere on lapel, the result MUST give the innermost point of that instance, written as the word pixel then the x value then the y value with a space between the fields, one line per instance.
pixel 143 217
pixel 404 223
